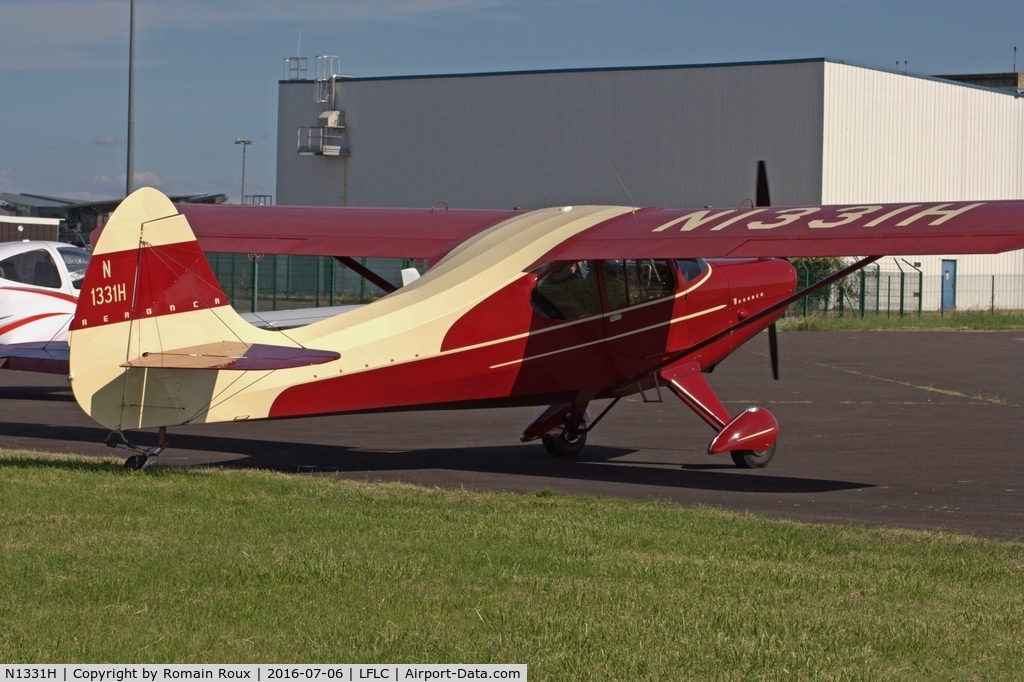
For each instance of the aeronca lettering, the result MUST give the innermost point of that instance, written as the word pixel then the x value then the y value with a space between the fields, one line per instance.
pixel 825 217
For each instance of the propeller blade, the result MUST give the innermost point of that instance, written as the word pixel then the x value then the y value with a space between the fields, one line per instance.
pixel 763 197
pixel 773 349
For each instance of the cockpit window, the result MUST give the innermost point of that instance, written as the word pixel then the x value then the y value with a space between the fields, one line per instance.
pixel 77 261
pixel 628 282
pixel 692 268
pixel 568 292
pixel 31 267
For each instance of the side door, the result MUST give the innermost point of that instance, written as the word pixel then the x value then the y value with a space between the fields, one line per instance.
pixel 564 351
pixel 640 300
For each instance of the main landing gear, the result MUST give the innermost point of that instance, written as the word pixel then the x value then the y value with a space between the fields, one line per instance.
pixel 562 428
pixel 569 443
pixel 749 437
pixel 145 456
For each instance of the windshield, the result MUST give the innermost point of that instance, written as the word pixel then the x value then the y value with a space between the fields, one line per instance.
pixel 31 267
pixel 77 262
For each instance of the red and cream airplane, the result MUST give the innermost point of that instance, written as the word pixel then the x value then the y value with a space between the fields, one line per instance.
pixel 556 307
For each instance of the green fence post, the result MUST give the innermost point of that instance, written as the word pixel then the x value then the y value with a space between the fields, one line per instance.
pixel 288 276
pixel 274 283
pixel 316 287
pixel 993 293
pixel 903 289
pixel 255 279
pixel 863 282
pixel 878 290
pixel 888 295
pixel 362 283
pixel 921 292
pixel 333 268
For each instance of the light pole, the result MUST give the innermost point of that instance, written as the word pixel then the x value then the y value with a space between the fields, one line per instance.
pixel 245 142
pixel 130 171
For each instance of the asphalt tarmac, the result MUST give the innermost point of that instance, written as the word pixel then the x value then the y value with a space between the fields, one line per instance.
pixel 897 429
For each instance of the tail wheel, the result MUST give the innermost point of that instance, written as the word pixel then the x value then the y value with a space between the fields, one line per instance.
pixel 135 462
pixel 753 459
pixel 568 444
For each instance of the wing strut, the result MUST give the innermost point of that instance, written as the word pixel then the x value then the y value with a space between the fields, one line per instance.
pixel 366 273
pixel 757 317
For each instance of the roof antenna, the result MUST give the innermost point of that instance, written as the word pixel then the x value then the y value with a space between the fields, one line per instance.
pixel 298 50
pixel 1015 59
pixel 632 203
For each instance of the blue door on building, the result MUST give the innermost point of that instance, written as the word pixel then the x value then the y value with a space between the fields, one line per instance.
pixel 948 284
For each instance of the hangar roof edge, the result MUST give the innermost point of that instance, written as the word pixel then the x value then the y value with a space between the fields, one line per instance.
pixel 660 67
pixel 586 69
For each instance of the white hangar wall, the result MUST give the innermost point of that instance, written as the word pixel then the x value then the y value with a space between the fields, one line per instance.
pixel 890 137
pixel 676 136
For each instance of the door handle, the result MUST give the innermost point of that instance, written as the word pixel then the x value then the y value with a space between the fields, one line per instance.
pixel 615 318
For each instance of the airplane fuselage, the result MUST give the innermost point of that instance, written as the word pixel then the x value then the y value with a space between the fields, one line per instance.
pixel 489 324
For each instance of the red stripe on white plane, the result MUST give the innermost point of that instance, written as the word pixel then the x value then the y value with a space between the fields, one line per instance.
pixel 52 294
pixel 26 320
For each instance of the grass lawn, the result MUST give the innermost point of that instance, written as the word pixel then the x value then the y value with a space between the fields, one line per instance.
pixel 1005 320
pixel 205 565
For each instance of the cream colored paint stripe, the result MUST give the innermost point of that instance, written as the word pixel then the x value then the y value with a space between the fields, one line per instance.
pixel 609 338
pixel 415 320
pixel 133 222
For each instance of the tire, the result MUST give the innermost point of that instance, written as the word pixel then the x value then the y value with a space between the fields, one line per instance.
pixel 753 459
pixel 135 462
pixel 568 444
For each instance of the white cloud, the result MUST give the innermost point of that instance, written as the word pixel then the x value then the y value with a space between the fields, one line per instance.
pixel 147 179
pixel 108 140
pixel 142 179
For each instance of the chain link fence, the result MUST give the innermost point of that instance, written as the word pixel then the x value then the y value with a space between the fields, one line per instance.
pixel 891 291
pixel 288 282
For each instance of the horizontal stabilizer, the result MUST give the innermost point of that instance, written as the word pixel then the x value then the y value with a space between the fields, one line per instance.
pixel 234 355
pixel 299 317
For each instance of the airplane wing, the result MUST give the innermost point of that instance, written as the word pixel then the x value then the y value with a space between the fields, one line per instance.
pixel 808 231
pixel 50 357
pixel 803 231
pixel 336 231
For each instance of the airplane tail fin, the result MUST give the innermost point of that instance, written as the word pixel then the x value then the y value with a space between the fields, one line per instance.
pixel 150 313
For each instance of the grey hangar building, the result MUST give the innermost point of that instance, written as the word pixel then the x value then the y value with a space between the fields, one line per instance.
pixel 671 136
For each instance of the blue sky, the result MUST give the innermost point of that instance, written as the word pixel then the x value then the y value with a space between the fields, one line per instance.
pixel 207 70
